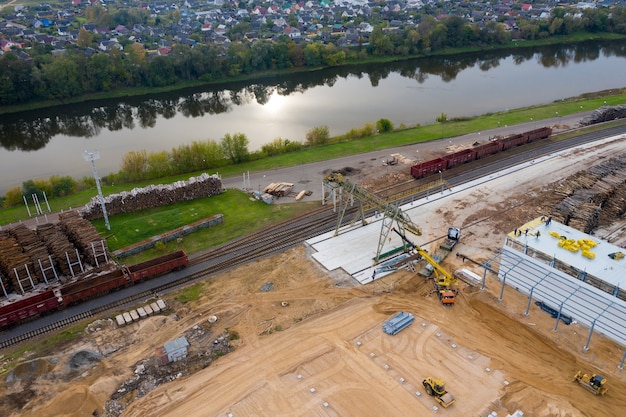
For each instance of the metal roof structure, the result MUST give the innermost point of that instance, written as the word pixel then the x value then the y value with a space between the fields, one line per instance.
pixel 590 306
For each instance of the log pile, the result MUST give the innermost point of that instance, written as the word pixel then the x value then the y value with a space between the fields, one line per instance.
pixel 593 197
pixel 59 246
pixel 605 114
pixel 34 247
pixel 154 196
pixel 12 259
pixel 82 234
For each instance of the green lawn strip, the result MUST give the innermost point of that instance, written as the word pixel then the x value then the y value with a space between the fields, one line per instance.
pixel 241 216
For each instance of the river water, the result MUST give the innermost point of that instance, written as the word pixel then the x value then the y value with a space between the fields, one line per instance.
pixel 49 142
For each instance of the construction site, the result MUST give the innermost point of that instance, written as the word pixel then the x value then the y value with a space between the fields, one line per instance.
pixel 501 297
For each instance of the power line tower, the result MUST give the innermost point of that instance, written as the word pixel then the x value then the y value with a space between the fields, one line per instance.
pixel 391 213
pixel 92 157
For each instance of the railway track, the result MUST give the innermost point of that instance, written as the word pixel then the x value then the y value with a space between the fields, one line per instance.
pixel 289 233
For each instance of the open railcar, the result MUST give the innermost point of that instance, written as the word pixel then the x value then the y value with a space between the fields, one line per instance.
pixel 467 155
pixel 51 299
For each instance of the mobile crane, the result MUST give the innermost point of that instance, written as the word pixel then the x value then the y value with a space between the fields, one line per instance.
pixel 443 280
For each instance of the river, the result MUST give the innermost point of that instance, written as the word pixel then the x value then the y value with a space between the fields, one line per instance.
pixel 48 142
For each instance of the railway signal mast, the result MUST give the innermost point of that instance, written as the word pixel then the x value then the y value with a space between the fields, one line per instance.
pixel 92 157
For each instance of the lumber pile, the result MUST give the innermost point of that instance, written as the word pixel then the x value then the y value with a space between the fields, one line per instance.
pixel 13 260
pixel 33 247
pixel 82 234
pixel 593 197
pixel 59 246
pixel 279 189
pixel 154 196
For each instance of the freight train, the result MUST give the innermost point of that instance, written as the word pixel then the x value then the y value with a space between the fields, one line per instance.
pixel 466 155
pixel 56 298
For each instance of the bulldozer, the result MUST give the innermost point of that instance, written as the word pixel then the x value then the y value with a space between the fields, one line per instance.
pixel 594 383
pixel 436 388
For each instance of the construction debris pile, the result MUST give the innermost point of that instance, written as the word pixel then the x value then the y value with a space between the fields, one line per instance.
pixel 153 196
pixel 29 257
pixel 605 114
pixel 594 197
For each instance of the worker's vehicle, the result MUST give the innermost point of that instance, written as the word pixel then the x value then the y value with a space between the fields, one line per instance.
pixel 594 383
pixel 436 388
pixel 443 280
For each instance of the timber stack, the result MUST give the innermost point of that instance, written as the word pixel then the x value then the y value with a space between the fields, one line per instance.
pixel 12 260
pixel 59 246
pixel 153 196
pixel 594 197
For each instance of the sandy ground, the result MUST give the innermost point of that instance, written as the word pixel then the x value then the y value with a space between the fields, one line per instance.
pixel 314 346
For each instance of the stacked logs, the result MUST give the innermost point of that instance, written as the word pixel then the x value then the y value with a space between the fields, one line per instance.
pixel 83 235
pixel 605 114
pixel 593 197
pixel 154 196
pixel 34 248
pixel 59 246
pixel 12 260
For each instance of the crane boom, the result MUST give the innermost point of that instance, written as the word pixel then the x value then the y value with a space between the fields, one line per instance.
pixel 443 280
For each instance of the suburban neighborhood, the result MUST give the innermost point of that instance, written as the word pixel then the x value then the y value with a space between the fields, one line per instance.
pixel 158 25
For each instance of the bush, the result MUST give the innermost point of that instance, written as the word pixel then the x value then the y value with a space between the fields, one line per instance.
pixel 13 197
pixel 318 135
pixel 280 146
pixel 384 125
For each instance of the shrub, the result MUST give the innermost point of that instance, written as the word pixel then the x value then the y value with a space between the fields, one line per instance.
pixel 384 125
pixel 13 197
pixel 318 135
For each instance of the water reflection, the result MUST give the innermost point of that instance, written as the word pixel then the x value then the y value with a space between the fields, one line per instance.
pixel 31 131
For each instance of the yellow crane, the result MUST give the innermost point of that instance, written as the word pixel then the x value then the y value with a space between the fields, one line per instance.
pixel 443 279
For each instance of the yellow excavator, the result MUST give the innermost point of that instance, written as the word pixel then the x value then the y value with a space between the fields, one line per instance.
pixel 443 280
pixel 594 383
pixel 436 388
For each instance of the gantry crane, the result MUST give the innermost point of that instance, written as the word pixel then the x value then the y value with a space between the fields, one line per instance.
pixel 390 212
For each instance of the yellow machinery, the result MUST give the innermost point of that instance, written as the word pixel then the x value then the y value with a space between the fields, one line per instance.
pixel 436 388
pixel 443 280
pixel 594 383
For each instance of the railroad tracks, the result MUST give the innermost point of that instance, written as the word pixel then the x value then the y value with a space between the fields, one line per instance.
pixel 287 234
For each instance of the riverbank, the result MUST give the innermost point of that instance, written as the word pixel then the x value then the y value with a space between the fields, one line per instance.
pixel 260 76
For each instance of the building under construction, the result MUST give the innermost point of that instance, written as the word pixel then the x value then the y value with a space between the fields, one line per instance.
pixel 568 273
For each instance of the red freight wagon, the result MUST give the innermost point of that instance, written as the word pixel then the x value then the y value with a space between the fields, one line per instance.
pixel 540 133
pixel 513 141
pixel 460 157
pixel 27 307
pixel 158 266
pixel 89 288
pixel 487 149
pixel 428 167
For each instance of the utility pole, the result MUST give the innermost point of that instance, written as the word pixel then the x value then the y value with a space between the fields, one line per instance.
pixel 91 157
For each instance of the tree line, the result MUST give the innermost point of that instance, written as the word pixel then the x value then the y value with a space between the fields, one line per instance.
pixel 75 73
